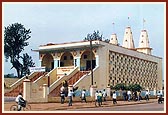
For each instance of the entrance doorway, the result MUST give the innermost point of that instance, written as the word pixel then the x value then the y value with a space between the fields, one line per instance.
pixel 88 64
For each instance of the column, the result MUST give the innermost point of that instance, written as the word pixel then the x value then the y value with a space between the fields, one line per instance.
pixel 45 92
pixel 108 91
pixel 93 90
pixel 97 60
pixel 40 63
pixel 77 62
pixel 27 89
pixel 56 64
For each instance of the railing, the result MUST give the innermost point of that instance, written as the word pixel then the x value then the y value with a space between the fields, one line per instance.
pixel 55 87
pixel 18 85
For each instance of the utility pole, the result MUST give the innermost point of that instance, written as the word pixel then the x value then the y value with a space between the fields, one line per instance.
pixel 91 56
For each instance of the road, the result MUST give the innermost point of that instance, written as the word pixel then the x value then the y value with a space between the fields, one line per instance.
pixel 122 106
pixel 138 107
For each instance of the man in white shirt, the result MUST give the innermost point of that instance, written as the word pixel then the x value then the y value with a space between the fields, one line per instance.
pixel 96 95
pixel 114 97
pixel 70 94
pixel 83 95
pixel 20 101
pixel 104 94
pixel 129 95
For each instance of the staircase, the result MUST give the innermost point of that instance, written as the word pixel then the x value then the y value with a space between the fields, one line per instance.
pixel 19 87
pixel 71 81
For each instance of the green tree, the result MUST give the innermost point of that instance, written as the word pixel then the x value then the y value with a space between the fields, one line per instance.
pixel 15 39
pixel 134 87
pixel 27 62
pixel 94 36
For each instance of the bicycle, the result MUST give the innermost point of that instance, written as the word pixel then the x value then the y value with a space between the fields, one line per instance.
pixel 26 107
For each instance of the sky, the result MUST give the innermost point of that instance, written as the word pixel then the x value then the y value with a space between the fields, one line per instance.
pixel 66 22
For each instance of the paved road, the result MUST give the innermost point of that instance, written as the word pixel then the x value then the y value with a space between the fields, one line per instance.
pixel 151 105
pixel 138 107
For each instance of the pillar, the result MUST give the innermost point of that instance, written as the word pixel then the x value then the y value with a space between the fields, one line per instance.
pixel 108 91
pixel 93 90
pixel 77 61
pixel 45 92
pixel 27 89
pixel 97 60
pixel 56 63
pixel 154 92
pixel 40 63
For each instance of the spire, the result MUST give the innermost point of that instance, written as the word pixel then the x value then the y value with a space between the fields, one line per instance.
pixel 113 37
pixel 144 43
pixel 144 46
pixel 128 41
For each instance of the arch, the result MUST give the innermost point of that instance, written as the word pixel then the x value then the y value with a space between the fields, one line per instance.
pixel 85 60
pixel 67 59
pixel 48 62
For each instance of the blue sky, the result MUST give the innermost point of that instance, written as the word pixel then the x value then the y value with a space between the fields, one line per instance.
pixel 59 23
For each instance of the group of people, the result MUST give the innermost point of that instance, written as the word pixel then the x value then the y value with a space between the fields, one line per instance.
pixel 135 95
pixel 70 95
pixel 100 96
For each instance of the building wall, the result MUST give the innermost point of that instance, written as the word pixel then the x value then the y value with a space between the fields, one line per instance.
pixel 121 65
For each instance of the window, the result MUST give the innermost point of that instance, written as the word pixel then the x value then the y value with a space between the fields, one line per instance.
pixel 65 57
pixel 71 57
pixel 85 56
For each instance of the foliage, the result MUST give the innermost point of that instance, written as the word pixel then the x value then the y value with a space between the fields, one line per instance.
pixel 94 36
pixel 27 62
pixel 132 87
pixel 15 39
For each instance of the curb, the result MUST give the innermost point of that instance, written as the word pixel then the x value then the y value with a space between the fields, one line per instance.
pixel 108 105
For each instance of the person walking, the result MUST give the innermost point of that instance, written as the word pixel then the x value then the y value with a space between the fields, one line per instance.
pixel 96 98
pixel 129 95
pixel 124 95
pixel 139 95
pixel 83 96
pixel 104 95
pixel 70 95
pixel 114 98
pixel 62 94
pixel 147 95
pixel 99 98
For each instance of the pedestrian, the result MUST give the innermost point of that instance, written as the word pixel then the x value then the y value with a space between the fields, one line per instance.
pixel 139 95
pixel 62 94
pixel 104 95
pixel 129 95
pixel 83 96
pixel 124 95
pixel 147 95
pixel 70 95
pixel 114 98
pixel 96 98
pixel 99 98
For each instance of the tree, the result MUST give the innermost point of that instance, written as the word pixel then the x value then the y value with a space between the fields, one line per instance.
pixel 94 36
pixel 15 39
pixel 27 62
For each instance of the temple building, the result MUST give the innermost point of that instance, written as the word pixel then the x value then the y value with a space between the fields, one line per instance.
pixel 111 63
pixel 84 64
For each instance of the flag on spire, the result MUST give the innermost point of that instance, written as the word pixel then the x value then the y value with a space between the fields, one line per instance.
pixel 144 20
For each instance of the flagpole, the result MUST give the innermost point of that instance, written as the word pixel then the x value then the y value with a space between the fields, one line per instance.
pixel 113 28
